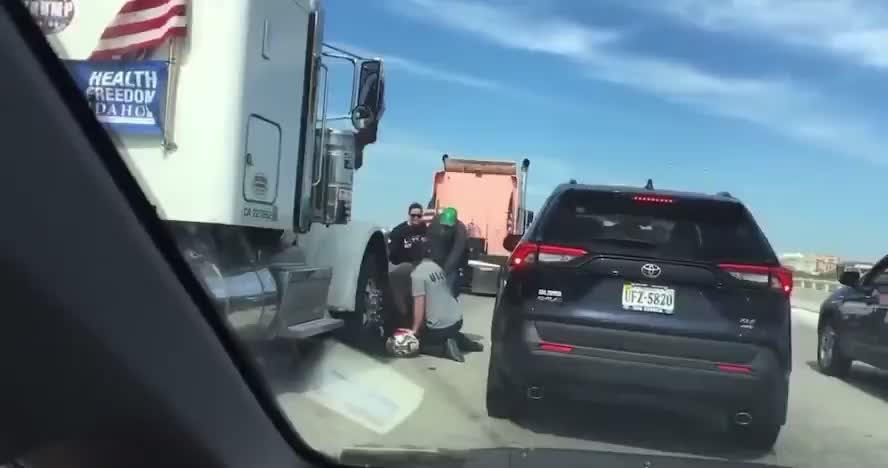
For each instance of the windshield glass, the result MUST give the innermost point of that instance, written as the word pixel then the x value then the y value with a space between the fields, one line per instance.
pixel 384 201
pixel 671 227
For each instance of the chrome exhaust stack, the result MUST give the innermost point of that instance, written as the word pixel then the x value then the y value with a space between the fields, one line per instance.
pixel 742 419
pixel 534 393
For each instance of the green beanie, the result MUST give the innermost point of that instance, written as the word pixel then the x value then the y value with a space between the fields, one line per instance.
pixel 448 216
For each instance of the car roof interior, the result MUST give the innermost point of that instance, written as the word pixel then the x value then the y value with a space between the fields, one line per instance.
pixel 112 353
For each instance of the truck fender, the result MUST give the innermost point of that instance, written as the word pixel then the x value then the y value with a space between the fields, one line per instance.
pixel 342 248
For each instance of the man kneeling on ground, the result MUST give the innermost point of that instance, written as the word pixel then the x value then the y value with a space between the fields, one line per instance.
pixel 437 317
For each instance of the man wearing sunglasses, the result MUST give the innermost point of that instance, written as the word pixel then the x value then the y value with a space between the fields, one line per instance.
pixel 405 252
pixel 405 240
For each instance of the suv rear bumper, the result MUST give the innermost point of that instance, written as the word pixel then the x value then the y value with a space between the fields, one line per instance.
pixel 605 374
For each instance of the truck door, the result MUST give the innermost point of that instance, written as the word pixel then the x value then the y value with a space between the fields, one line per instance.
pixel 261 160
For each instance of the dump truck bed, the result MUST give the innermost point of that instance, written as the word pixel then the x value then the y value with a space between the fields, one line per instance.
pixel 486 195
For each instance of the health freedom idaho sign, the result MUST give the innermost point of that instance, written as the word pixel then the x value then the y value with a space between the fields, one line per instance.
pixel 127 96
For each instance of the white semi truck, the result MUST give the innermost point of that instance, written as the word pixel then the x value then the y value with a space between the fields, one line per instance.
pixel 248 172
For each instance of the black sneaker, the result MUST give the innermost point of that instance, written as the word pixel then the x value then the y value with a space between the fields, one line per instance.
pixel 469 346
pixel 452 351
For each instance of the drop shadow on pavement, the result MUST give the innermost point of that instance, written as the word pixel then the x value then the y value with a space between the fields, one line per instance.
pixel 637 427
pixel 865 378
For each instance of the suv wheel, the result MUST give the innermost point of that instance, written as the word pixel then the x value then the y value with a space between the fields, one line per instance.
pixel 830 359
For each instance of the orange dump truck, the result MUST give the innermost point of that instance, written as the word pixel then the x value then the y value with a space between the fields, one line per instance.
pixel 490 197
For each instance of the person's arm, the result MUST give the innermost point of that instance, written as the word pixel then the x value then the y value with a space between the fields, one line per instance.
pixel 419 302
pixel 458 251
pixel 418 313
pixel 396 244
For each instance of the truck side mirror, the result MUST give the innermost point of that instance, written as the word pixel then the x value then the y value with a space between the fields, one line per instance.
pixel 370 105
pixel 511 241
pixel 529 218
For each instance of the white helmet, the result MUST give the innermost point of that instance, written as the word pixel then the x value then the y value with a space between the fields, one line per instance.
pixel 403 343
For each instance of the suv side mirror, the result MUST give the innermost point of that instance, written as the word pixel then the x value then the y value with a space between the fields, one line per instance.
pixel 849 278
pixel 510 241
pixel 370 103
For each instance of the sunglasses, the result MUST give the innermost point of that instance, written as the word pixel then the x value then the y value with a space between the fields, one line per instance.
pixel 416 215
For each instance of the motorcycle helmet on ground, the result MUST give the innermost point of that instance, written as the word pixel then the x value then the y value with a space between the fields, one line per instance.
pixel 402 343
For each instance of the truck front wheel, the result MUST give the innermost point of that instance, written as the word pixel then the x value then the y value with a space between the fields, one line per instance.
pixel 365 327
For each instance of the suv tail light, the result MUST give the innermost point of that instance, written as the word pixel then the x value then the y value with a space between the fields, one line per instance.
pixel 530 253
pixel 776 277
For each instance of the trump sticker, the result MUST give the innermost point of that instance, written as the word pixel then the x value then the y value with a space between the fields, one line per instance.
pixel 53 16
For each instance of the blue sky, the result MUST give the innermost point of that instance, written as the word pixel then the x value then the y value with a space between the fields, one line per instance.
pixel 780 102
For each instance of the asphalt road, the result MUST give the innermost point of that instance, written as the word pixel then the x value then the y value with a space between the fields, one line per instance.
pixel 340 398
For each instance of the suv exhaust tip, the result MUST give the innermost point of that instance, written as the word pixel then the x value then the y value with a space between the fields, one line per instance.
pixel 535 393
pixel 742 419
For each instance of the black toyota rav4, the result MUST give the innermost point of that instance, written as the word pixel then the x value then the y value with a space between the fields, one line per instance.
pixel 646 295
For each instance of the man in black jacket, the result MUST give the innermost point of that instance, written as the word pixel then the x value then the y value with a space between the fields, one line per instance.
pixel 405 240
pixel 405 252
pixel 455 236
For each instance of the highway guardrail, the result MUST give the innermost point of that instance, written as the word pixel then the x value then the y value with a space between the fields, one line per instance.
pixel 809 294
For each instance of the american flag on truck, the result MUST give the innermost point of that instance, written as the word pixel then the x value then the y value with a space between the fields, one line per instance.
pixel 140 27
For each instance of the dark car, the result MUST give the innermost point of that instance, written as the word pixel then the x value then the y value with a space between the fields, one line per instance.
pixel 853 324
pixel 652 296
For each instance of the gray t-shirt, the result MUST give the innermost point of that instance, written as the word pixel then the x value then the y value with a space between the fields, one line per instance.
pixel 428 280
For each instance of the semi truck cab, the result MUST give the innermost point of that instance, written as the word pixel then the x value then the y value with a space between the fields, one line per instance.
pixel 223 117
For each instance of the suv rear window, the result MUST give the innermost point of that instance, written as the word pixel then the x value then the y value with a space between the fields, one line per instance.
pixel 693 229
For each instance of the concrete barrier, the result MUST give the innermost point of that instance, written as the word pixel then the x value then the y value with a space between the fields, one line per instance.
pixel 809 299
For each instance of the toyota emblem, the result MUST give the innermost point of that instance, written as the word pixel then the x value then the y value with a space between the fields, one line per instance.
pixel 650 270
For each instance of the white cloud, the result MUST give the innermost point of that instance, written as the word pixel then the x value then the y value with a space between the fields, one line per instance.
pixel 777 103
pixel 781 105
pixel 542 34
pixel 869 46
pixel 427 71
pixel 439 74
pixel 856 30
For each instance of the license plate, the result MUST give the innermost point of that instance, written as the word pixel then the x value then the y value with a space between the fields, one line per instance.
pixel 657 299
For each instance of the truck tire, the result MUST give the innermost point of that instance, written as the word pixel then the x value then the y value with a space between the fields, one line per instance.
pixel 365 327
